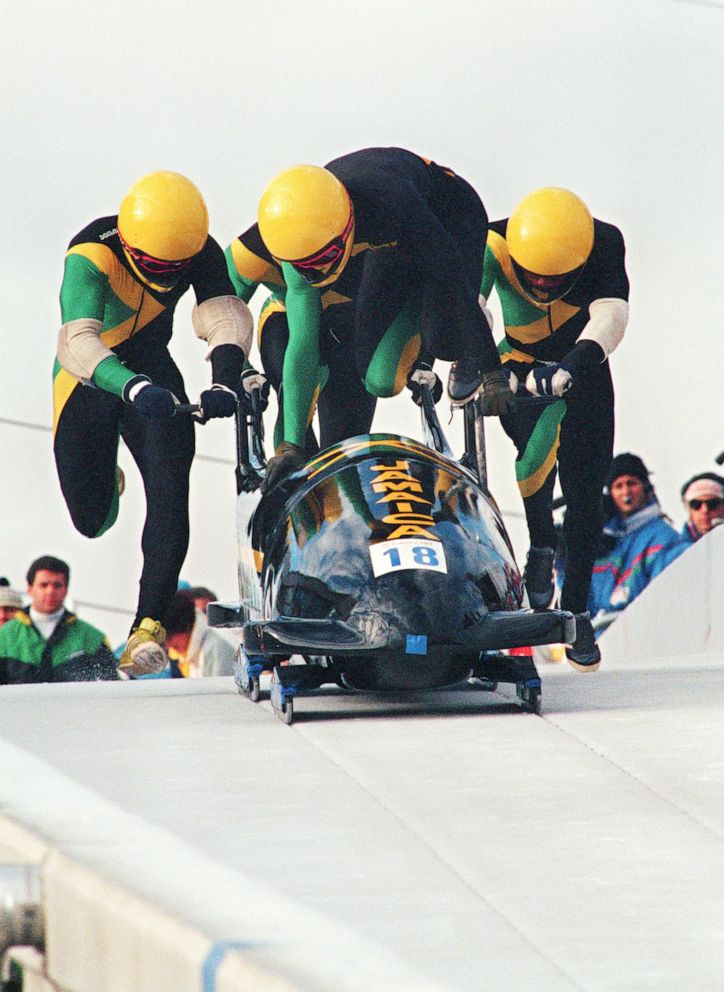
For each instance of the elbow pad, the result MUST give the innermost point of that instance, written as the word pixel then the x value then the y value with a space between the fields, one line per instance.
pixel 80 349
pixel 223 320
pixel 607 324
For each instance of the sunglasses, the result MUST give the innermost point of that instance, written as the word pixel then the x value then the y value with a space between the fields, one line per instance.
pixel 154 266
pixel 319 265
pixel 710 504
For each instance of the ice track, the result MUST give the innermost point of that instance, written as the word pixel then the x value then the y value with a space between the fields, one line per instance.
pixel 470 845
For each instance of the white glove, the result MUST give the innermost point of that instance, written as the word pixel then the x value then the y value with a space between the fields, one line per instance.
pixel 255 381
pixel 425 377
pixel 551 380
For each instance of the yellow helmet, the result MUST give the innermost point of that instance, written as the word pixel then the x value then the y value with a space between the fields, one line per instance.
pixel 162 223
pixel 306 217
pixel 549 235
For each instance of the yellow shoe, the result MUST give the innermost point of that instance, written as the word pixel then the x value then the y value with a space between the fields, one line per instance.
pixel 144 654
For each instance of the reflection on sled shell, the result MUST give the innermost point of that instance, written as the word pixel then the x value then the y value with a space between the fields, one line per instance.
pixel 387 557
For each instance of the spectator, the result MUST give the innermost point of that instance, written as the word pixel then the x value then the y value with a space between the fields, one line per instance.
pixel 203 651
pixel 10 602
pixel 46 642
pixel 202 596
pixel 703 497
pixel 636 539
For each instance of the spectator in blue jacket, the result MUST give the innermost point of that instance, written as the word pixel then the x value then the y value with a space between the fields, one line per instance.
pixel 635 534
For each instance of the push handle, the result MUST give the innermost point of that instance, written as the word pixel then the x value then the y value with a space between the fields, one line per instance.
pixel 434 436
pixel 250 456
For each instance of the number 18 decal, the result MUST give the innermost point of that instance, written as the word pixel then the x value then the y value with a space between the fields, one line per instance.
pixel 407 552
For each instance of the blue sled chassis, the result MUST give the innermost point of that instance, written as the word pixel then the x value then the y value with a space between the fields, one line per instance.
pixel 385 564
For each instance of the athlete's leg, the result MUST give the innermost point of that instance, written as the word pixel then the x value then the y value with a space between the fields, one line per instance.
pixel 584 459
pixel 453 325
pixel 396 352
pixel 386 307
pixel 163 451
pixel 345 407
pixel 536 435
pixel 86 450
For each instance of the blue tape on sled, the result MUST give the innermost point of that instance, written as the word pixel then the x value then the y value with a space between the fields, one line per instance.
pixel 416 644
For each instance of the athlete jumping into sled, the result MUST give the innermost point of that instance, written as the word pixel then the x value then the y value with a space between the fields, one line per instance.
pixel 403 239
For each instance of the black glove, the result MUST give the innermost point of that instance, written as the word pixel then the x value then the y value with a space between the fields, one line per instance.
pixel 251 379
pixel 422 375
pixel 150 401
pixel 556 380
pixel 287 459
pixel 498 397
pixel 219 401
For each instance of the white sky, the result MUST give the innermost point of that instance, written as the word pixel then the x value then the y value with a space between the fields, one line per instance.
pixel 619 101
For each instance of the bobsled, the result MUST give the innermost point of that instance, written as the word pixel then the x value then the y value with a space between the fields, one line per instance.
pixel 383 565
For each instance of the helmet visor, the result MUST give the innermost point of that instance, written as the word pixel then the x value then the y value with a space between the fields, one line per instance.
pixel 162 272
pixel 325 264
pixel 545 289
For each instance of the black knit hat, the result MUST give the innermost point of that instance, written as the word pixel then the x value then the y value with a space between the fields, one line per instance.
pixel 627 464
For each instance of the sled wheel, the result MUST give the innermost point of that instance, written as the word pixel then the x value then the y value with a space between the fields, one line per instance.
pixel 530 700
pixel 254 690
pixel 286 712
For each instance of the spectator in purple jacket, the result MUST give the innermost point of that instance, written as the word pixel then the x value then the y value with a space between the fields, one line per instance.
pixel 703 497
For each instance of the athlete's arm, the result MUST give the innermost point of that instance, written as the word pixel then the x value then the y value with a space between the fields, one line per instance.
pixel 300 374
pixel 220 318
pixel 81 352
pixel 490 268
pixel 608 311
pixel 249 270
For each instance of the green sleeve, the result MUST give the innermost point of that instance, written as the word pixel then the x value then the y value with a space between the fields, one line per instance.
pixel 490 268
pixel 112 375
pixel 244 288
pixel 84 294
pixel 300 374
pixel 84 290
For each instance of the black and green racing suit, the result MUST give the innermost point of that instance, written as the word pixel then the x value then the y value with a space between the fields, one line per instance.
pixel 344 406
pixel 410 287
pixel 90 416
pixel 573 436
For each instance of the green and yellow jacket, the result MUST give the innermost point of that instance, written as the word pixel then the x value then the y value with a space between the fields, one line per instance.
pixel 541 333
pixel 74 652
pixel 136 320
